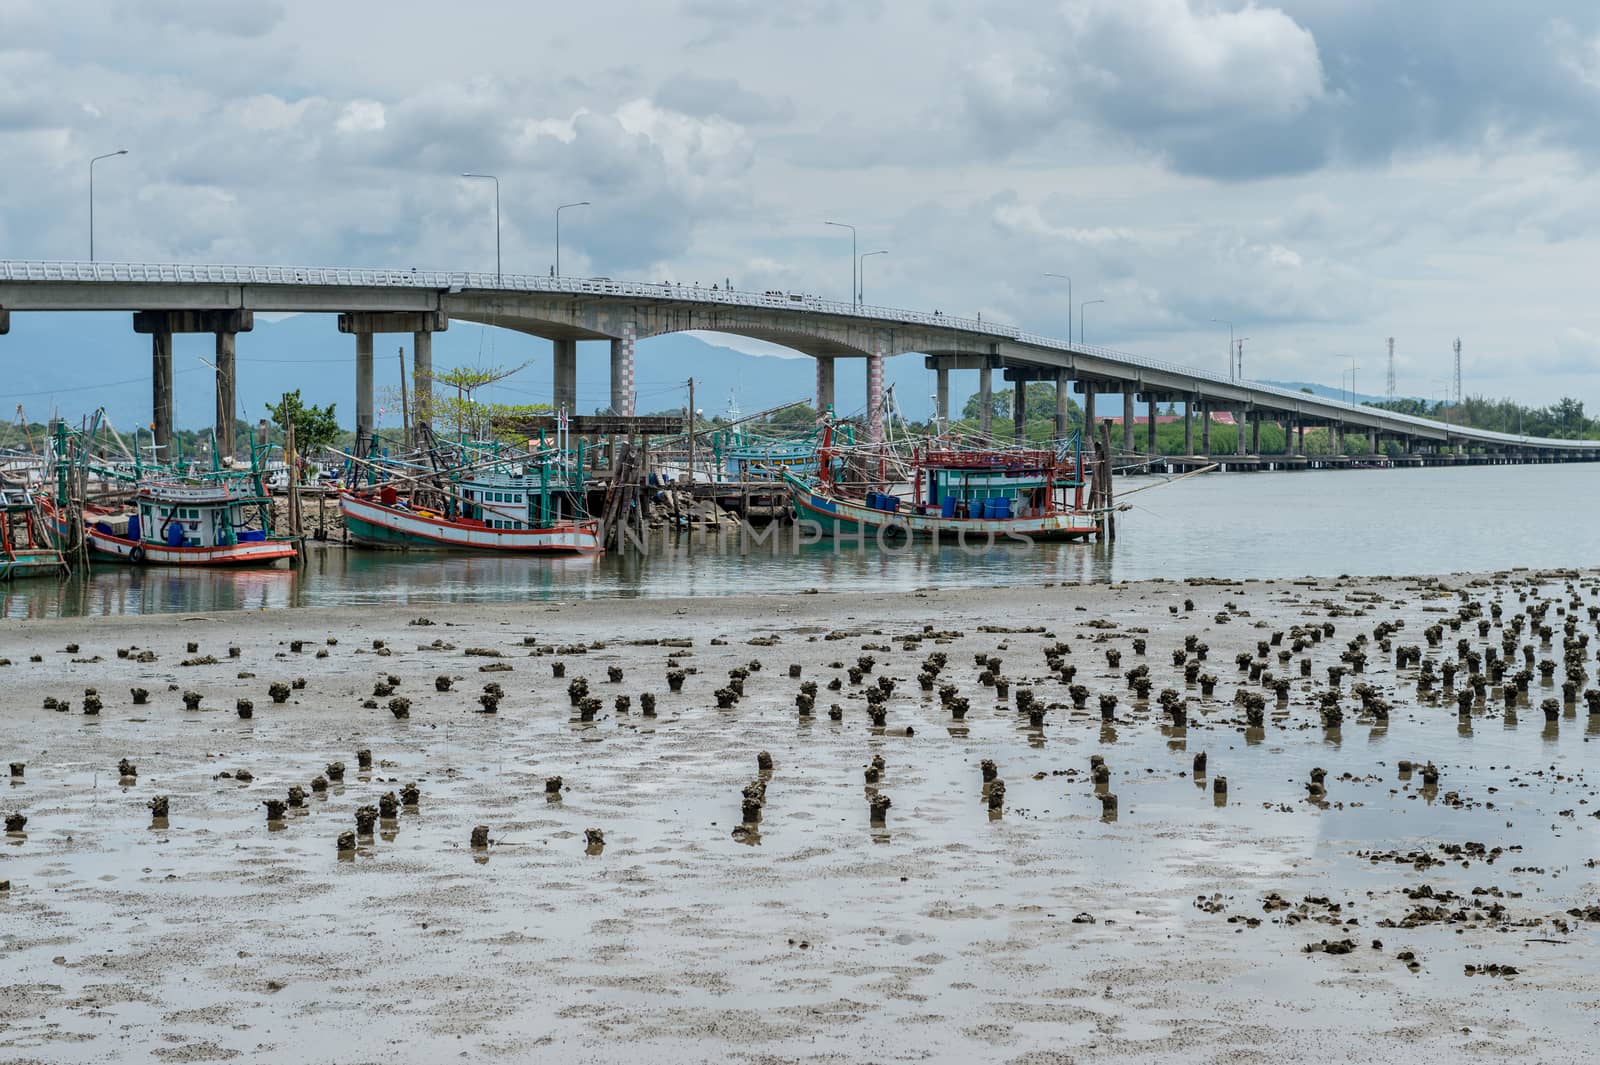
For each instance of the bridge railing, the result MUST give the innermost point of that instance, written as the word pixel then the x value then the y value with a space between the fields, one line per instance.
pixel 344 277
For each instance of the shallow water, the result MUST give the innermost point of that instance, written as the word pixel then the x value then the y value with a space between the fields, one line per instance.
pixel 1322 523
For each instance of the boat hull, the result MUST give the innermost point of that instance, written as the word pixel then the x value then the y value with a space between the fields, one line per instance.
pixel 256 553
pixel 842 518
pixel 371 524
pixel 26 564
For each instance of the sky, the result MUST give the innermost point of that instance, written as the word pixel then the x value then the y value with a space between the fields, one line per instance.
pixel 1324 174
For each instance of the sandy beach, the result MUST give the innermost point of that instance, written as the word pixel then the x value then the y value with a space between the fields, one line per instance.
pixel 1366 912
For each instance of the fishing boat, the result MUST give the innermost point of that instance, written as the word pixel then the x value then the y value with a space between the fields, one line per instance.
pixel 966 495
pixel 491 499
pixel 173 516
pixel 25 544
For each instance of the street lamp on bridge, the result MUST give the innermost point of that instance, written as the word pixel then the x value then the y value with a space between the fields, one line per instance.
pixel 1352 373
pixel 96 159
pixel 1081 306
pixel 1068 280
pixel 499 278
pixel 563 207
pixel 853 261
pixel 1239 353
pixel 861 274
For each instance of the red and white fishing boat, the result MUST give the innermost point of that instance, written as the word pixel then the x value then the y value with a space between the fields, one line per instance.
pixel 173 523
pixel 497 515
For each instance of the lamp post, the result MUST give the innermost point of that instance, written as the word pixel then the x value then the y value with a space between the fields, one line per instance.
pixel 563 207
pixel 499 278
pixel 1068 280
pixel 1352 373
pixel 1081 306
pixel 96 159
pixel 852 229
pixel 861 274
pixel 1224 321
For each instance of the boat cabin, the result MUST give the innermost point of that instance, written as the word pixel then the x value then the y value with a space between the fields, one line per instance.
pixel 520 500
pixel 180 515
pixel 995 484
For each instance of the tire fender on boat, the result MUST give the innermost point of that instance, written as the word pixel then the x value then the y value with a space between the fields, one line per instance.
pixel 135 553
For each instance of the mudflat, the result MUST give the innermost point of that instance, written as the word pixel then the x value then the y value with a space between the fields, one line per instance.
pixel 1366 865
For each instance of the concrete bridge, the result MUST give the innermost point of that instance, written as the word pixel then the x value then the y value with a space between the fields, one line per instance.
pixel 222 300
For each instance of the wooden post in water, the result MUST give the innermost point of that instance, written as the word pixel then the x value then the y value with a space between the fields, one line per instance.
pixel 292 465
pixel 1111 519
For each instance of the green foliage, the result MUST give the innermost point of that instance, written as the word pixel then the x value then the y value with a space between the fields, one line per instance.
pixel 1565 419
pixel 314 427
pixel 1040 425
pixel 799 416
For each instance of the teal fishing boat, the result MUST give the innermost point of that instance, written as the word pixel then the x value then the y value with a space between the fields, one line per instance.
pixel 26 547
pixel 964 495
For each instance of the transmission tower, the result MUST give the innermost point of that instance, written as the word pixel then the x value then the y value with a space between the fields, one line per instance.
pixel 1391 369
pixel 1458 371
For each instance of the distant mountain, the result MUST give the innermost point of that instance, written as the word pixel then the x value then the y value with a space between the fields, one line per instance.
pixel 1325 392
pixel 71 363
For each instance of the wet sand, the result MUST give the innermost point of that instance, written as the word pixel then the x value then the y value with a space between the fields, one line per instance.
pixel 1045 931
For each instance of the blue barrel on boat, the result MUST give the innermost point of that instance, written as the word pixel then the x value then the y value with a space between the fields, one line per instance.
pixel 175 535
pixel 1002 508
pixel 947 509
pixel 872 501
pixel 252 536
pixel 133 527
pixel 890 503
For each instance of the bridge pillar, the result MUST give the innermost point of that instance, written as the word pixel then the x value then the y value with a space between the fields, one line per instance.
pixel 1255 433
pixel 227 394
pixel 1300 434
pixel 1205 428
pixel 1063 413
pixel 564 389
pixel 1188 426
pixel 1088 409
pixel 824 384
pixel 421 383
pixel 160 325
pixel 5 321
pixel 1019 410
pixel 1372 441
pixel 161 391
pixel 1127 419
pixel 363 325
pixel 985 400
pixel 364 420
pixel 622 372
pixel 1238 431
pixel 1150 421
pixel 941 395
pixel 875 395
pixel 564 384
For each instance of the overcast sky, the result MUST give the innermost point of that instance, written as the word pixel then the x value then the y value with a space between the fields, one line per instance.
pixel 1325 173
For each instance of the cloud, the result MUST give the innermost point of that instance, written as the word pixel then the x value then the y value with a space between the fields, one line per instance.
pixel 228 18
pixel 721 98
pixel 1241 91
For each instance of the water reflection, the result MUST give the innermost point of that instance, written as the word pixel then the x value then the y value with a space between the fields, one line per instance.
pixel 1270 525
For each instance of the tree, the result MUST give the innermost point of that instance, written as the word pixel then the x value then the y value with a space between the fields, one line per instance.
pixel 314 427
pixel 461 413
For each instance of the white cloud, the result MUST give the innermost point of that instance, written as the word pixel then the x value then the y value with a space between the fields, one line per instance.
pixel 362 116
pixel 1166 60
